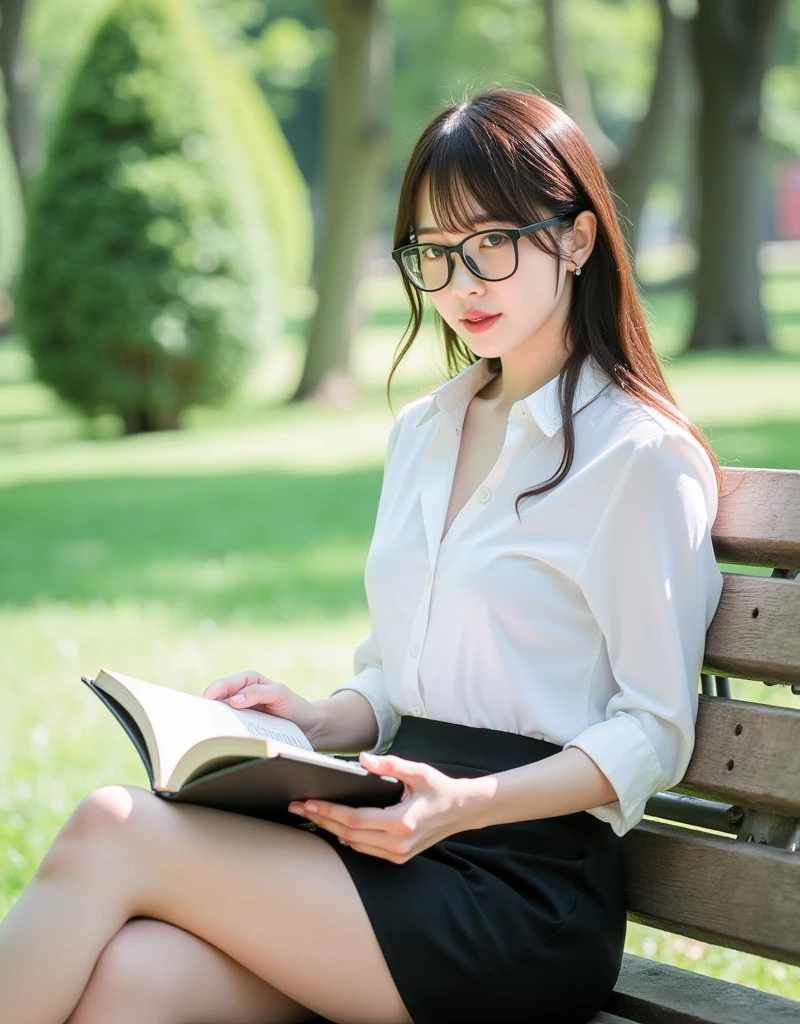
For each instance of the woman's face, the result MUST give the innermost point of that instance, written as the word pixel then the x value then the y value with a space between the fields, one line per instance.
pixel 524 305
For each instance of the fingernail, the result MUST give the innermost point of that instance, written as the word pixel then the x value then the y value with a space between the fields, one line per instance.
pixel 312 807
pixel 370 758
pixel 238 698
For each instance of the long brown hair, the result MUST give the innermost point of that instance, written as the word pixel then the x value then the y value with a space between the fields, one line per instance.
pixel 524 159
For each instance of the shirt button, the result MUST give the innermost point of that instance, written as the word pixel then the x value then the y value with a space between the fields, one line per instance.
pixel 457 430
pixel 414 650
pixel 417 710
pixel 484 494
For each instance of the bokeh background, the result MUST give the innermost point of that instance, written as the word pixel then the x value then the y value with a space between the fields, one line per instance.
pixel 198 314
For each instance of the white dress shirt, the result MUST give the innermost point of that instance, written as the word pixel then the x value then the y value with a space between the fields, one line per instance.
pixel 584 623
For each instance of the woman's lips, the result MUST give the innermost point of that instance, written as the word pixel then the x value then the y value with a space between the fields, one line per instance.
pixel 479 326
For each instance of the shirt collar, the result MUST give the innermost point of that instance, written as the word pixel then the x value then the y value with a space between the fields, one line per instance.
pixel 543 404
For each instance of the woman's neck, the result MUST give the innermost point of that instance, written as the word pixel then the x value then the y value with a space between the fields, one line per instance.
pixel 515 382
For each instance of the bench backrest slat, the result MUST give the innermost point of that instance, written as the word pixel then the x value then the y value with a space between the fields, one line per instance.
pixel 758 518
pixel 746 754
pixel 720 890
pixel 755 633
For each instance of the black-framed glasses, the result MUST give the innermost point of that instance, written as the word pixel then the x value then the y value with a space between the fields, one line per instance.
pixel 491 254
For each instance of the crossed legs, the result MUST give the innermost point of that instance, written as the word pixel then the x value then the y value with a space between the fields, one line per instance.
pixel 270 911
pixel 152 972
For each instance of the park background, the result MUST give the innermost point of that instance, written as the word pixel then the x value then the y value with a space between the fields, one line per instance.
pixel 181 531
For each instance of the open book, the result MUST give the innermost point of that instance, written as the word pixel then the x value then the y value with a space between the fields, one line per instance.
pixel 205 752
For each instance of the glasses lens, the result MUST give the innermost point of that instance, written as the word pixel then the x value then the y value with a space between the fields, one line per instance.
pixel 490 255
pixel 425 266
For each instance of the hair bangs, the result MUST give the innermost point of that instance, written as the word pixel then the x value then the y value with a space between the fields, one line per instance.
pixel 470 168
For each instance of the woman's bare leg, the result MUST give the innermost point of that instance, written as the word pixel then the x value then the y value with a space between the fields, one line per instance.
pixel 276 899
pixel 157 973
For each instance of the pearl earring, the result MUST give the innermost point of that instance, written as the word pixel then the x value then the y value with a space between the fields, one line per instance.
pixel 577 270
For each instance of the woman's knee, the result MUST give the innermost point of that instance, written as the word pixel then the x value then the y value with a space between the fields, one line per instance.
pixel 131 978
pixel 102 816
pixel 133 962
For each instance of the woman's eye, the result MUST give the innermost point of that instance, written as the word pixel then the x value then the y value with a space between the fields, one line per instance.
pixel 494 240
pixel 431 252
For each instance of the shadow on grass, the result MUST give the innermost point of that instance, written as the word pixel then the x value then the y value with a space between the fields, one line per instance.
pixel 264 546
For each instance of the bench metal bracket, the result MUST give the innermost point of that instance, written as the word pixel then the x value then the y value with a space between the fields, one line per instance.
pixel 770 829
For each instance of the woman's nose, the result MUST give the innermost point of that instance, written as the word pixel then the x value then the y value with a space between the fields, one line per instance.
pixel 464 281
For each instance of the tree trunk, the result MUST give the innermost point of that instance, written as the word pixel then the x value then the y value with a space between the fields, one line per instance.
pixel 732 44
pixel 356 145
pixel 144 421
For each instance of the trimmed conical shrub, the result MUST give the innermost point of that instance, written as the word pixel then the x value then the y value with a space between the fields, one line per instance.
pixel 149 279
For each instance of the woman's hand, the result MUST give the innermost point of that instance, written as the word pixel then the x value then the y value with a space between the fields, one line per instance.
pixel 432 807
pixel 255 692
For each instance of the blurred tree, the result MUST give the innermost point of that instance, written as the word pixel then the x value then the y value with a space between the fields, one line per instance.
pixel 733 41
pixel 356 144
pixel 630 167
pixel 16 73
pixel 145 266
pixel 282 45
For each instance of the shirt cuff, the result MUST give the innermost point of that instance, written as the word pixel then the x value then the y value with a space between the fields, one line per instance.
pixel 622 751
pixel 371 684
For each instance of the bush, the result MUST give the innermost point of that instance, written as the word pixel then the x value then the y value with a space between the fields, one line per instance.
pixel 148 276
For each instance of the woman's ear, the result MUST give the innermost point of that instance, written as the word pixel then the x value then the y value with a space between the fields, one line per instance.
pixel 584 232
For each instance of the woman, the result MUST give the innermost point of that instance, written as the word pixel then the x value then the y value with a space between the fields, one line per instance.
pixel 540 581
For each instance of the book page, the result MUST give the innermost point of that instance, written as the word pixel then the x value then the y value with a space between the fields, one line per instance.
pixel 179 720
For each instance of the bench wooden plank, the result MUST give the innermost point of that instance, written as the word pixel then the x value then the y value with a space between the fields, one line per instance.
pixel 721 890
pixel 754 633
pixel 653 993
pixel 747 754
pixel 758 518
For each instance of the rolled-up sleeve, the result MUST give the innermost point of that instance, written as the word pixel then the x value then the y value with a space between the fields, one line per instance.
pixel 651 580
pixel 368 678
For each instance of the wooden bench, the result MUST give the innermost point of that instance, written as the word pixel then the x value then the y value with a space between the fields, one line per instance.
pixel 734 878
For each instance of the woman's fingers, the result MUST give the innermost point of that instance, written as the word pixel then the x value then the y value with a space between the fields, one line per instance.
pixel 253 690
pixel 376 842
pixel 222 689
pixel 255 693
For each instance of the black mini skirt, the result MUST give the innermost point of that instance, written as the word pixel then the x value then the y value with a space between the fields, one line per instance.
pixel 519 922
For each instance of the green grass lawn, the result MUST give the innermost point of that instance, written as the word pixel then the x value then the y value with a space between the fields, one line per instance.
pixel 240 542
